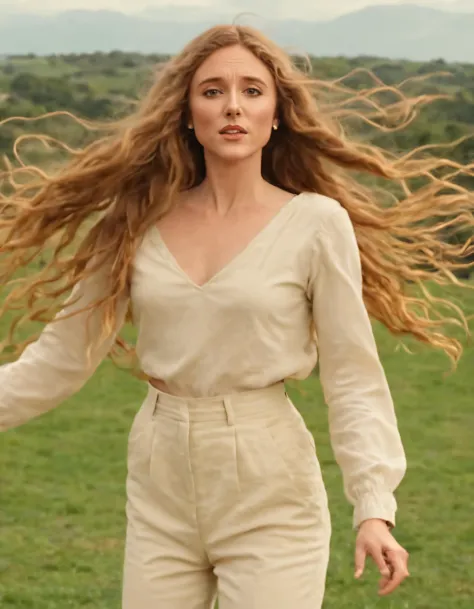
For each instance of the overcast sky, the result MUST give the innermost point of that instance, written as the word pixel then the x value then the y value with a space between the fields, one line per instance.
pixel 265 8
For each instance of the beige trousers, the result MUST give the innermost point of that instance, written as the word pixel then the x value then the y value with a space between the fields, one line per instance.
pixel 224 499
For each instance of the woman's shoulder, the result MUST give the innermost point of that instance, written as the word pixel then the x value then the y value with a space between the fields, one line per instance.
pixel 319 207
pixel 321 218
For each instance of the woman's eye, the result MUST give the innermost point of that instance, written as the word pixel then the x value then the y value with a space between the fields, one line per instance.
pixel 211 92
pixel 252 91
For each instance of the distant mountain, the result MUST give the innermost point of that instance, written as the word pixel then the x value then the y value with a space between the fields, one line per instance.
pixel 398 32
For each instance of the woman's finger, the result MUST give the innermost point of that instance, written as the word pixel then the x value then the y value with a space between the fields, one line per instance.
pixel 398 561
pixel 360 554
pixel 379 559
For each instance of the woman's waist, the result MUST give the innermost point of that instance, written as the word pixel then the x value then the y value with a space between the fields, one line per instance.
pixel 226 408
pixel 211 375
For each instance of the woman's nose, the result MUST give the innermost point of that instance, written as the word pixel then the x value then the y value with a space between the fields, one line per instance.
pixel 233 105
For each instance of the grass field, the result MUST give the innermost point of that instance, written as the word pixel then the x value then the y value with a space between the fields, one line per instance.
pixel 62 492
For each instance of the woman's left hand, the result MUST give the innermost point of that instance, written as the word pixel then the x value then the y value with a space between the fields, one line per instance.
pixel 374 539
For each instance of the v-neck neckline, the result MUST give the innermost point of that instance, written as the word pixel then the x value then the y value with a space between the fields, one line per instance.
pixel 240 254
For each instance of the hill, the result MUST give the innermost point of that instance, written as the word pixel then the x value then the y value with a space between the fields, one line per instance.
pixel 406 31
pixel 104 85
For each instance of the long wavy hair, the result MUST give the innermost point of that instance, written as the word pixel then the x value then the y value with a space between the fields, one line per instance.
pixel 98 206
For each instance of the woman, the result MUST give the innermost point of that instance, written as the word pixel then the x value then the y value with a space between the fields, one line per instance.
pixel 230 229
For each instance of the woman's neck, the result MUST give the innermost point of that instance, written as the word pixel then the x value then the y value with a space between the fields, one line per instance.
pixel 232 184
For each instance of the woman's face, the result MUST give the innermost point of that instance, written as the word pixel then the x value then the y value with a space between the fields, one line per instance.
pixel 232 87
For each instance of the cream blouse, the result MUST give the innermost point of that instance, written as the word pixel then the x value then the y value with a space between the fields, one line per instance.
pixel 293 292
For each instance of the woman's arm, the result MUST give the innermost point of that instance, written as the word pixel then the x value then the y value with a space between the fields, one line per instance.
pixel 362 422
pixel 60 362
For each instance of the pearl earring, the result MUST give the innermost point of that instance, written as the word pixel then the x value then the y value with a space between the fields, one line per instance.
pixel 275 126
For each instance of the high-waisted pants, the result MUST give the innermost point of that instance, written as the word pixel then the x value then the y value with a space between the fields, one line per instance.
pixel 225 500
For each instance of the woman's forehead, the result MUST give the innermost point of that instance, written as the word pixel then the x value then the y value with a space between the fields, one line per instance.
pixel 230 62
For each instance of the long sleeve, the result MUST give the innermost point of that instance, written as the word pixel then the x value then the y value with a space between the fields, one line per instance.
pixel 60 362
pixel 362 422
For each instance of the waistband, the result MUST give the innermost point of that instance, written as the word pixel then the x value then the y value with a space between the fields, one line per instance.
pixel 228 408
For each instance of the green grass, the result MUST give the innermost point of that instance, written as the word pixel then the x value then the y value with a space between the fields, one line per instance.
pixel 62 492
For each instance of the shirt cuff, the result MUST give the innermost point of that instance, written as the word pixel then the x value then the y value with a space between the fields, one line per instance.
pixel 375 505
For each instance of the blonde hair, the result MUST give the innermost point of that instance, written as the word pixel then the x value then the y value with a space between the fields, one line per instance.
pixel 130 177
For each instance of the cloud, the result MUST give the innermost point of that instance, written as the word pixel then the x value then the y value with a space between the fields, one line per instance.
pixel 126 6
pixel 316 10
pixel 266 9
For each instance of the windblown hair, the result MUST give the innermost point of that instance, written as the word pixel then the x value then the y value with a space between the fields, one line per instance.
pixel 126 180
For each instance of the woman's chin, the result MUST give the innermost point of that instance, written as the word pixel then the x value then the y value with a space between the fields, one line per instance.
pixel 233 154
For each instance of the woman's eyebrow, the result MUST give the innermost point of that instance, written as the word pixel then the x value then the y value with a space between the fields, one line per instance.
pixel 220 80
